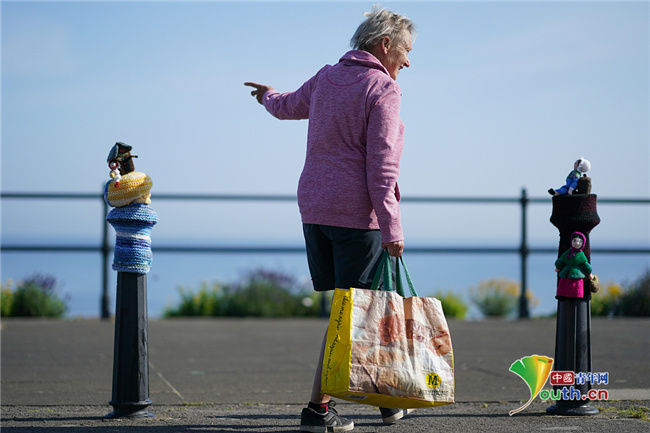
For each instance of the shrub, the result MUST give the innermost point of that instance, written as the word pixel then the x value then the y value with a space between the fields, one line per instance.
pixel 262 293
pixel 605 302
pixel 6 298
pixel 499 297
pixel 635 301
pixel 203 303
pixel 452 305
pixel 34 297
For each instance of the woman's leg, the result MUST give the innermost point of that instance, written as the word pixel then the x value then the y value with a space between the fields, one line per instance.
pixel 316 395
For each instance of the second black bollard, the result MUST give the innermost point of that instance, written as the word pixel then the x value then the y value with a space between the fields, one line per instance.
pixel 574 213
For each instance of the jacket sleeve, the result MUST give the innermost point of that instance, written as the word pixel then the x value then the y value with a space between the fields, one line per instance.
pixel 384 145
pixel 586 267
pixel 561 261
pixel 291 105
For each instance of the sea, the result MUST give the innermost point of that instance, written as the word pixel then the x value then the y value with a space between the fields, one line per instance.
pixel 79 275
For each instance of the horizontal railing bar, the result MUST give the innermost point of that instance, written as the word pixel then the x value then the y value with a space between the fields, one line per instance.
pixel 621 250
pixel 414 250
pixel 624 200
pixel 291 249
pixel 281 197
pixel 51 195
pixel 53 248
pixel 226 197
pixel 105 249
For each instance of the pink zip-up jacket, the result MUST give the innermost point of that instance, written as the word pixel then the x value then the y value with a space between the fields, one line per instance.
pixel 354 144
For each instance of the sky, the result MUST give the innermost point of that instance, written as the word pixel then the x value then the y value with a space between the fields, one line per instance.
pixel 499 96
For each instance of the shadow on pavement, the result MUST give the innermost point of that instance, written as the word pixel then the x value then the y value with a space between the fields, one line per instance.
pixel 246 423
pixel 149 429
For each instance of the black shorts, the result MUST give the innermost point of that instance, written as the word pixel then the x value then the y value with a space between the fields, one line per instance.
pixel 341 257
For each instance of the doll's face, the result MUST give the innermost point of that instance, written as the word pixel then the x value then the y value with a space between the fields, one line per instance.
pixel 576 243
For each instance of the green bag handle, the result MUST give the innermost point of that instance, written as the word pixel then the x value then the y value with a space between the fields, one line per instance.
pixel 408 277
pixel 384 267
pixel 384 264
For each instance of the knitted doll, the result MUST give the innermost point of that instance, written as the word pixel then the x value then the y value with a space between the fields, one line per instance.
pixel 579 167
pixel 129 191
pixel 127 185
pixel 572 267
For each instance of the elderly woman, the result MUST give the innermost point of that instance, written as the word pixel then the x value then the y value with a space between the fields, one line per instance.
pixel 348 194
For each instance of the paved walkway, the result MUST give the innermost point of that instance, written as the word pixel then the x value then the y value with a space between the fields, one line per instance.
pixel 227 375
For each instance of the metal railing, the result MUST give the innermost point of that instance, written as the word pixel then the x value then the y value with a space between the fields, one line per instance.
pixel 105 248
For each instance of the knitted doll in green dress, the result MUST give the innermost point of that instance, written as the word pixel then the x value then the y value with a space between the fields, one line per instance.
pixel 572 266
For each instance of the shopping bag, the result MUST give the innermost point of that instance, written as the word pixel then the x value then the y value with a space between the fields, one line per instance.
pixel 386 350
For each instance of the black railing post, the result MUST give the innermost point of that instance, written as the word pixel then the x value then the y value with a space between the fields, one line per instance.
pixel 104 313
pixel 523 253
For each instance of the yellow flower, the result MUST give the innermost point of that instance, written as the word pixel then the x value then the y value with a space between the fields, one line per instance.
pixel 614 290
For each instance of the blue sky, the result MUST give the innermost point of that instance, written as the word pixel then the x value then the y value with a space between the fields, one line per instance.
pixel 499 96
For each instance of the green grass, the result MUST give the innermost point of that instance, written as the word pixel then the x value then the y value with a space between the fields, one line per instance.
pixel 639 412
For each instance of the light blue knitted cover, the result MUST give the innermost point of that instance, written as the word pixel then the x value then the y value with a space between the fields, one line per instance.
pixel 132 224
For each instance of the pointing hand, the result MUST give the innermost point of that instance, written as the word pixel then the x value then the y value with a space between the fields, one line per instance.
pixel 260 90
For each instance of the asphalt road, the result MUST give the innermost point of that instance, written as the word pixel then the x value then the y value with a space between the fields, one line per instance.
pixel 225 375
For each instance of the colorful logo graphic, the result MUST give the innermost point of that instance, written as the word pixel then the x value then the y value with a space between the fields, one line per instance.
pixel 534 370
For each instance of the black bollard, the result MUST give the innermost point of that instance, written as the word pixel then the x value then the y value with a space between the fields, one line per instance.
pixel 130 396
pixel 574 213
pixel 132 219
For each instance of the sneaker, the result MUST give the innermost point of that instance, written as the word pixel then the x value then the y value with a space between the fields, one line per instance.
pixel 391 415
pixel 328 422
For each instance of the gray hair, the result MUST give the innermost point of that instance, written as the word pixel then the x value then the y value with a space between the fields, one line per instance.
pixel 380 23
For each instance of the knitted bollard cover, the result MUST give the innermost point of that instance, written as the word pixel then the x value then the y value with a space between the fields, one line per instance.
pixel 132 187
pixel 132 224
pixel 132 220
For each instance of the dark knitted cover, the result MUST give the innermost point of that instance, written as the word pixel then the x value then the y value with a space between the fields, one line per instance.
pixel 584 185
pixel 575 213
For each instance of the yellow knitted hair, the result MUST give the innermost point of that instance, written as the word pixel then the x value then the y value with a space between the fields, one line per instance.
pixel 132 187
